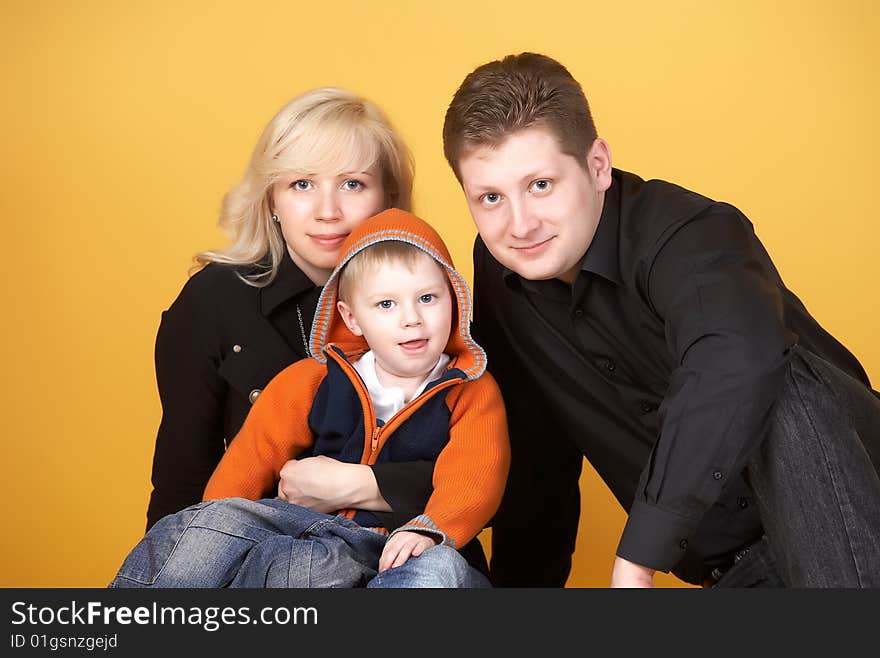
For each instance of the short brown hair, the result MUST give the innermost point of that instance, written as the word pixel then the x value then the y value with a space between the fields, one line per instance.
pixel 511 94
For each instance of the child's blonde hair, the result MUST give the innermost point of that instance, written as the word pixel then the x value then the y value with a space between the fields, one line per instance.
pixel 373 257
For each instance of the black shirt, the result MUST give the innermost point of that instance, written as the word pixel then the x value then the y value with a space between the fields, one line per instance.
pixel 660 363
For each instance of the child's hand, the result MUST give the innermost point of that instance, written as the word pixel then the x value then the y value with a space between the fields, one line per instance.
pixel 401 546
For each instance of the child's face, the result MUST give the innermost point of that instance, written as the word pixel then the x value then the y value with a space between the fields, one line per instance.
pixel 405 315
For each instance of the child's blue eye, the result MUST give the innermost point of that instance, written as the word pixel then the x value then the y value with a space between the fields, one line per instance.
pixel 302 185
pixel 386 304
pixel 352 184
pixel 426 299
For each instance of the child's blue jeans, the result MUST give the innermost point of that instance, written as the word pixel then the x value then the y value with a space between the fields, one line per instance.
pixel 273 543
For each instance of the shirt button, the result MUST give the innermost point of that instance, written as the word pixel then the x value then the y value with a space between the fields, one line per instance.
pixel 647 407
pixel 743 503
pixel 683 544
pixel 717 475
pixel 254 395
pixel 236 348
pixel 610 366
pixel 579 313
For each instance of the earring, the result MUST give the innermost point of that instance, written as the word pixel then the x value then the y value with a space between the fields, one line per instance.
pixel 274 218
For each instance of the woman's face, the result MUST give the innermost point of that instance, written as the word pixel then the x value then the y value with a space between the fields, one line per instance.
pixel 318 211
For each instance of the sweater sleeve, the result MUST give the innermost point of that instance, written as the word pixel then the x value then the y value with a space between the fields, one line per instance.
pixel 471 470
pixel 276 430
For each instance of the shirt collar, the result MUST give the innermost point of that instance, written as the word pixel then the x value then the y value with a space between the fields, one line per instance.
pixel 388 401
pixel 603 254
pixel 290 282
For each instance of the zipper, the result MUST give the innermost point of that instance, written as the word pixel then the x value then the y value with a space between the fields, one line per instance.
pixel 374 442
pixel 372 430
pixel 408 410
pixel 374 433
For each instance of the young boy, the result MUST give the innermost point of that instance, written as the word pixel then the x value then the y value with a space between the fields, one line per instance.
pixel 395 376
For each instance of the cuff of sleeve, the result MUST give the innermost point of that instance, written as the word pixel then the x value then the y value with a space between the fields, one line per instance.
pixel 425 525
pixel 655 538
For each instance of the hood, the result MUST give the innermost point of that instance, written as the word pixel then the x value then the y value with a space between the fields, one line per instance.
pixel 394 224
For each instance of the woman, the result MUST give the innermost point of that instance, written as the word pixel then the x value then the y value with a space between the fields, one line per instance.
pixel 324 163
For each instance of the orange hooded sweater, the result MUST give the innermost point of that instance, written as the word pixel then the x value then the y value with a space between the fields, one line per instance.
pixel 320 406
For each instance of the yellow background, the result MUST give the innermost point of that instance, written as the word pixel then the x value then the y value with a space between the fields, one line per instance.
pixel 123 124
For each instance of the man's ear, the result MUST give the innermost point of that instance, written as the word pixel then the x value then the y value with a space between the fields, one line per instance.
pixel 348 318
pixel 599 163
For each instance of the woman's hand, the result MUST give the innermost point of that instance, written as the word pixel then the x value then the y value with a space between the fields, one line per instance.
pixel 327 485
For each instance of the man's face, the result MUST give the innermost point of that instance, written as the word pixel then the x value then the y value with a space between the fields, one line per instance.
pixel 535 207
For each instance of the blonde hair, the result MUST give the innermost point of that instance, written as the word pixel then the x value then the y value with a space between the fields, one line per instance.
pixel 373 257
pixel 323 130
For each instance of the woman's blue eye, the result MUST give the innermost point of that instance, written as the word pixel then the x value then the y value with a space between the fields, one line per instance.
pixel 426 299
pixel 302 185
pixel 385 303
pixel 352 184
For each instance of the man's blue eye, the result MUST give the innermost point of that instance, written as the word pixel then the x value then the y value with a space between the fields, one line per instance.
pixel 541 185
pixel 491 198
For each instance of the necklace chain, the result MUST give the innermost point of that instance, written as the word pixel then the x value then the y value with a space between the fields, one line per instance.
pixel 302 329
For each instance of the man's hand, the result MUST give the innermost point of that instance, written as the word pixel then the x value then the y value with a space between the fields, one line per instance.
pixel 401 546
pixel 326 485
pixel 630 574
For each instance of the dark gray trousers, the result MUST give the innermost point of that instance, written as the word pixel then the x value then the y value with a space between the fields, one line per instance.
pixel 815 480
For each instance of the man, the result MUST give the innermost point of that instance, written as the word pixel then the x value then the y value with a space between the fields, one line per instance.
pixel 645 327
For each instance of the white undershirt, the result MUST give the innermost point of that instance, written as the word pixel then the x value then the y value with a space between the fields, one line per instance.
pixel 388 401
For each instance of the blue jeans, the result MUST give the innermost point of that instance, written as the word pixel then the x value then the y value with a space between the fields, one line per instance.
pixel 272 543
pixel 815 480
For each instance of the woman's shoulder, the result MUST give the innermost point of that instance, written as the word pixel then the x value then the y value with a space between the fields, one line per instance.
pixel 216 286
pixel 220 274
